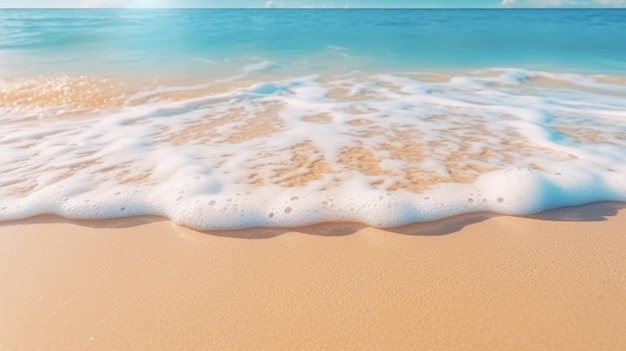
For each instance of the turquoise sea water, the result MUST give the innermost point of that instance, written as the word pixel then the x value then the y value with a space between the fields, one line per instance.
pixel 221 119
pixel 209 41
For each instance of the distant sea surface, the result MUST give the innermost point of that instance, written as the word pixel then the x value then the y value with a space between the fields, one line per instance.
pixel 211 41
pixel 222 119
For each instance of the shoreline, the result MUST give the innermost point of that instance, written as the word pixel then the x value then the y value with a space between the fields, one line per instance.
pixel 591 212
pixel 478 281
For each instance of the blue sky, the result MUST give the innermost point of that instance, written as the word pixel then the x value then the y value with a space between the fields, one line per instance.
pixel 312 3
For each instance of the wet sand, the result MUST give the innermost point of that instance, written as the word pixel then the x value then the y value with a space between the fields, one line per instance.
pixel 480 281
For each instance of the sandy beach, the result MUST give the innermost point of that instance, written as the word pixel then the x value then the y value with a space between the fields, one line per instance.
pixel 172 129
pixel 555 281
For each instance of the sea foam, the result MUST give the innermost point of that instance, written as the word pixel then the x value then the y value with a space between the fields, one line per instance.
pixel 380 149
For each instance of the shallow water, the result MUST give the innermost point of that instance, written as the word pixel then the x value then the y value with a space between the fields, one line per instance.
pixel 379 117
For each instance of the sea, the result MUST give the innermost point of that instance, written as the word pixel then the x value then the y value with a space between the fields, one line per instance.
pixel 239 118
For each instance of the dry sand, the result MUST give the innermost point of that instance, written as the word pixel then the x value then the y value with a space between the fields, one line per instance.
pixel 552 282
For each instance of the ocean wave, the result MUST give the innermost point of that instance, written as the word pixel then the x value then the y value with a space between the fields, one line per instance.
pixel 377 148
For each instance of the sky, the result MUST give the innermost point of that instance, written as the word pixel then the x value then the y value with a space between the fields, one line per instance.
pixel 310 3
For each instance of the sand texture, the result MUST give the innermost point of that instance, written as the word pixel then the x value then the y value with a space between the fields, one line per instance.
pixel 556 281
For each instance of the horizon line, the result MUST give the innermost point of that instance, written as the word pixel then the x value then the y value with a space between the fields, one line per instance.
pixel 314 8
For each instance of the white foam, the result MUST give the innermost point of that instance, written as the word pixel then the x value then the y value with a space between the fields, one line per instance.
pixel 262 66
pixel 123 162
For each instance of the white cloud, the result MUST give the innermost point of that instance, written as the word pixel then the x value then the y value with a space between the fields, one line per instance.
pixel 563 3
pixel 105 3
pixel 298 5
pixel 611 3
pixel 319 7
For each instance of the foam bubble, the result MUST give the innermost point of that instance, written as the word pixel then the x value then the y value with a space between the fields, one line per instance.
pixel 382 149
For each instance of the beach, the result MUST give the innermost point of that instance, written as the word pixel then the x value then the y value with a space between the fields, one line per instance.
pixel 332 179
pixel 480 281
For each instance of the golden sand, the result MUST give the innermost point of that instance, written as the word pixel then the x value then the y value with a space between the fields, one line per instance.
pixel 556 281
